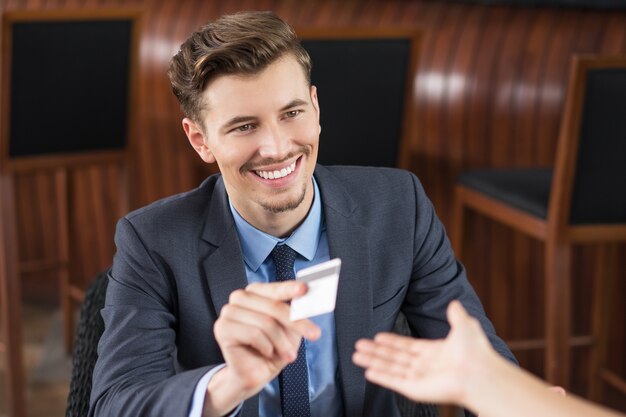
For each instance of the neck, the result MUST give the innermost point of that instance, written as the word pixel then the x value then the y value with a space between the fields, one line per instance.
pixel 281 225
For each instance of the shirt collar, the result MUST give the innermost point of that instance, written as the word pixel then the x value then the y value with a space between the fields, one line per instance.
pixel 257 245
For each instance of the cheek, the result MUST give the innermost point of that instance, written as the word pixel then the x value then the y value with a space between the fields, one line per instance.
pixel 310 133
pixel 234 156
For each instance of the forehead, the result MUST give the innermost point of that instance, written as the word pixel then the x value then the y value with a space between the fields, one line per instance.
pixel 281 82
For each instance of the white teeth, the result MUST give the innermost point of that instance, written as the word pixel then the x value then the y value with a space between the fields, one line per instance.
pixel 277 174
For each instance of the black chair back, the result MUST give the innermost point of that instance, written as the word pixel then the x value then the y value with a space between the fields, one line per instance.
pixel 599 188
pixel 90 328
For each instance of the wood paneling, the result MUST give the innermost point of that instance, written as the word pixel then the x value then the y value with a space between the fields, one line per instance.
pixel 489 93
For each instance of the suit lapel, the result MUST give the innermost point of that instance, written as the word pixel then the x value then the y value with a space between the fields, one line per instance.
pixel 353 314
pixel 223 265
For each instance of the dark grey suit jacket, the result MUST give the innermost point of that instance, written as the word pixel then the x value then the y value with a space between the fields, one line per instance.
pixel 178 260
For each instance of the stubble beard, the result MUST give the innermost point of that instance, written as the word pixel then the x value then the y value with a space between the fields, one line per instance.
pixel 283 206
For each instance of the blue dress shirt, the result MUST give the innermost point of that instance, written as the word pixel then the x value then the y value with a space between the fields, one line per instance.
pixel 309 240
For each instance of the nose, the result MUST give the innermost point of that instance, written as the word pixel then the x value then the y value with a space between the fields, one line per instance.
pixel 275 142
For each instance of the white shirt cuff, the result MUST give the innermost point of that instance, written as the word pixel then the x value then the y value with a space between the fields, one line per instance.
pixel 197 402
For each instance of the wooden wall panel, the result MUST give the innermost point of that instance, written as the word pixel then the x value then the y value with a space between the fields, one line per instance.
pixel 489 93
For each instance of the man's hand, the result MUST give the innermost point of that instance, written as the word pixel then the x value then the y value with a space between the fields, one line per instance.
pixel 257 340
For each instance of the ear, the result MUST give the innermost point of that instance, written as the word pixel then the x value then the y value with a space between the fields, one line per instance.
pixel 316 105
pixel 198 140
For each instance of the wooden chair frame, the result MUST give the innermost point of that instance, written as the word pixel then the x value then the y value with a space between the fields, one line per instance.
pixel 559 236
pixel 60 167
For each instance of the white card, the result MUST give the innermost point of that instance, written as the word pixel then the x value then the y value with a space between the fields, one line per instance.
pixel 322 280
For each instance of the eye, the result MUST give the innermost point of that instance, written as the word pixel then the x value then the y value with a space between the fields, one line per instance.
pixel 244 128
pixel 292 113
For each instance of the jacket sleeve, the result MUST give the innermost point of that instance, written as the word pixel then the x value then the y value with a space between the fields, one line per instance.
pixel 438 278
pixel 136 373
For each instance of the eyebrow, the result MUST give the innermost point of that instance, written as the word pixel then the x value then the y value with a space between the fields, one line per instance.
pixel 237 120
pixel 294 103
pixel 243 119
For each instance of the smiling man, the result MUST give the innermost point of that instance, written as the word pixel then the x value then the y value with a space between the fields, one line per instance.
pixel 197 315
pixel 264 144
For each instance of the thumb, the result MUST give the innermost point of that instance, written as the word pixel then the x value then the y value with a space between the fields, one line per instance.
pixel 456 313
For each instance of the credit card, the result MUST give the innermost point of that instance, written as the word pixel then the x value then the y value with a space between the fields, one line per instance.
pixel 322 281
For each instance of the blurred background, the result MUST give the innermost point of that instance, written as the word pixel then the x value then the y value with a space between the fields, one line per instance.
pixel 485 88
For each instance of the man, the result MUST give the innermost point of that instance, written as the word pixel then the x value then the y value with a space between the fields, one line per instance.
pixel 194 322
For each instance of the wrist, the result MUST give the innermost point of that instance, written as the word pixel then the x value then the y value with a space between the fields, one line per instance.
pixel 480 375
pixel 223 395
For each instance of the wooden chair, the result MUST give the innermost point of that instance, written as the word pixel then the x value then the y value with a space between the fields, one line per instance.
pixel 581 200
pixel 58 151
pixel 10 310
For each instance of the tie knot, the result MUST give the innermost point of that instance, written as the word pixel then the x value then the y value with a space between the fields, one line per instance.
pixel 284 258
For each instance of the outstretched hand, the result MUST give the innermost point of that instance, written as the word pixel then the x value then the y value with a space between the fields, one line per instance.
pixel 425 370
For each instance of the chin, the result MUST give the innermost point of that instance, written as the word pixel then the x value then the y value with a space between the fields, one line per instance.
pixel 281 206
pixel 286 204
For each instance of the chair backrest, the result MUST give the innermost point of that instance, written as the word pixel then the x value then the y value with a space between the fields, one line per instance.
pixel 345 103
pixel 589 186
pixel 90 328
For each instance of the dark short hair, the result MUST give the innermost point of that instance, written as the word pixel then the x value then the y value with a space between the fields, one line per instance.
pixel 241 43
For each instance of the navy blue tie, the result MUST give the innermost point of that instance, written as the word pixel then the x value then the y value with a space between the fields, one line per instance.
pixel 294 379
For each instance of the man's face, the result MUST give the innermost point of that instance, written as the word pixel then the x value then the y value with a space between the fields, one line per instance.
pixel 263 132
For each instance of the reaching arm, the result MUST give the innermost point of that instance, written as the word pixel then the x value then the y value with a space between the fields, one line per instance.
pixel 465 370
pixel 138 372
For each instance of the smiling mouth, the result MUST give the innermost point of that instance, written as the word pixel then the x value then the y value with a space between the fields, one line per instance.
pixel 276 174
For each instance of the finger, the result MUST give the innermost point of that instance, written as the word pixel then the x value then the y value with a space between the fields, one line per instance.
pixel 283 291
pixel 232 334
pixel 558 390
pixel 403 343
pixel 396 365
pixel 363 359
pixel 388 353
pixel 410 359
pixel 273 330
pixel 277 309
pixel 287 291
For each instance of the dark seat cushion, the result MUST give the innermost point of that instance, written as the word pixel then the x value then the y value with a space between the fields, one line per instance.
pixel 527 189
